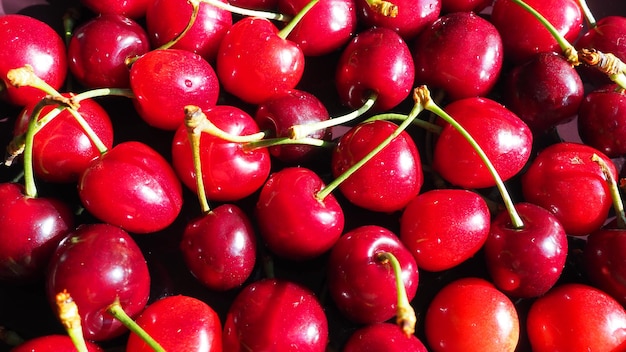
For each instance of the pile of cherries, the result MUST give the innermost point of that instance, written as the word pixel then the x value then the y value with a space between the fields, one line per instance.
pixel 326 175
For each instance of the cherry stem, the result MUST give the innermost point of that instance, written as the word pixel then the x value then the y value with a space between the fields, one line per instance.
pixel 428 126
pixel 417 108
pixel 383 7
pixel 569 51
pixel 192 121
pixel 68 314
pixel 431 106
pixel 270 142
pixel 248 12
pixel 405 314
pixel 301 131
pixel 606 63
pixel 591 21
pixel 69 23
pixel 284 33
pixel 206 126
pixel 618 205
pixel 116 310
pixel 25 76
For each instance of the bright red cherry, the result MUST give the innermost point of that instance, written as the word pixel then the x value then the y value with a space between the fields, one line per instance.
pixel 179 323
pixel 53 343
pixel 277 315
pixel 411 18
pixel 130 8
pixel 97 264
pixel 382 337
pixel 576 317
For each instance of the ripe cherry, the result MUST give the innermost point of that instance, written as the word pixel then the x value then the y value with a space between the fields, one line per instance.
pixel 134 8
pixel 448 6
pixel 411 17
pixel 603 262
pixel 53 343
pixel 381 337
pixel 605 36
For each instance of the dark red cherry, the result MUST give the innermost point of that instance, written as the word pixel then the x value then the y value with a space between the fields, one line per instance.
pixel 278 315
pixel 53 343
pixel 387 182
pixel 606 37
pixel 31 230
pixel 97 264
pixel 604 263
pixel 130 8
pixel 448 6
pixel 132 186
pixel 31 42
pixel 411 18
pixel 98 50
pixel 382 337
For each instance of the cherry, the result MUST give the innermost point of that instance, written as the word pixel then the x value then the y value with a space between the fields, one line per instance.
pixel 40 47
pixel 519 45
pixel 299 232
pixel 561 168
pixel 133 9
pixel 53 343
pixel 179 323
pixel 166 20
pixel 97 264
pixel 365 68
pixel 165 81
pixel 381 337
pixel 147 193
pixel 444 227
pixel 408 20
pixel 505 138
pixel 449 6
pixel 31 229
pixel 576 317
pixel 437 49
pixel 98 50
pixel 275 314
pixel 604 36
pixel 361 285
pixel 604 263
pixel 390 179
pixel 471 314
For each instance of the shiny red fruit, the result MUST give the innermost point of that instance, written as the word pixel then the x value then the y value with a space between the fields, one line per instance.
pixel 412 17
pixel 605 263
pixel 130 8
pixel 382 337
pixel 53 343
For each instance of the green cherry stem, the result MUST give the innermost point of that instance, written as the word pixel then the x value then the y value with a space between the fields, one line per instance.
pixel 606 63
pixel 206 126
pixel 116 310
pixel 618 204
pixel 405 314
pixel 591 21
pixel 270 142
pixel 428 126
pixel 70 319
pixel 417 108
pixel 248 12
pixel 192 121
pixel 284 33
pixel 431 106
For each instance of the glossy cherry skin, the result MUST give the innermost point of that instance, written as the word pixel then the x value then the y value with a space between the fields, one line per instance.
pixel 293 107
pixel 132 186
pixel 604 263
pixel 229 170
pixel 179 323
pixel 362 287
pixel 365 66
pixel 134 8
pixel 605 37
pixel 521 45
pixel 544 92
pixel 219 247
pixel 292 220
pixel 337 19
pixel 166 19
pixel 576 317
pixel 602 120
pixel 448 6
pixel 33 43
pixel 526 262
pixel 561 168
pixel 412 17
pixel 62 151
pixel 278 63
pixel 387 182
pixel 31 230
pixel 382 337
pixel 444 227
pixel 97 264
pixel 503 136
pixel 53 343
pixel 165 81
pixel 470 314
pixel 437 49
pixel 98 50
pixel 275 315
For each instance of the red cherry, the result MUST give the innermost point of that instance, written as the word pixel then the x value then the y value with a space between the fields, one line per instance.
pixel 462 34
pixel 299 232
pixel 504 137
pixel 444 227
pixel 278 63
pixel 411 18
pixel 449 6
pixel 470 314
pixel 608 32
pixel 604 263
pixel 576 317
pixel 165 81
pixel 229 170
pixel 387 182
pixel 31 230
pixel 39 46
pixel 278 315
pixel 220 248
pixel 130 8
pixel 179 323
pixel 132 186
pixel 53 343
pixel 166 19
pixel 98 50
pixel 97 264
pixel 363 288
pixel 382 337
